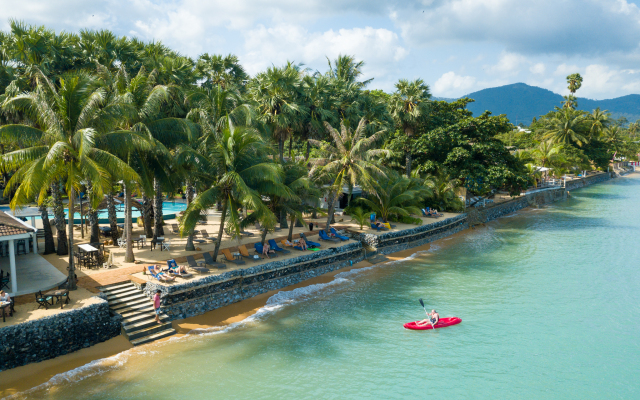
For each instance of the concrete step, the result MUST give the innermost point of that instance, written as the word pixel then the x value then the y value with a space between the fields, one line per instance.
pixel 140 317
pixel 123 294
pixel 130 298
pixel 132 311
pixel 143 324
pixel 119 290
pixel 131 303
pixel 151 338
pixel 147 331
pixel 114 286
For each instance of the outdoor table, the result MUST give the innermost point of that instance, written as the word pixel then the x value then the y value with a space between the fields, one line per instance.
pixel 158 242
pixel 57 294
pixel 87 248
pixel 3 305
pixel 236 255
pixel 139 242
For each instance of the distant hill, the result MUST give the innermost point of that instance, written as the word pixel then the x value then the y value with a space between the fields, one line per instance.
pixel 521 102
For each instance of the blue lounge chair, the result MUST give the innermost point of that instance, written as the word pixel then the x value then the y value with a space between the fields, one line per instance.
pixel 324 236
pixel 259 249
pixel 379 228
pixel 275 247
pixel 173 268
pixel 309 242
pixel 161 277
pixel 336 234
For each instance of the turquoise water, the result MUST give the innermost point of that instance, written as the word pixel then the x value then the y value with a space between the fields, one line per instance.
pixel 548 298
pixel 167 208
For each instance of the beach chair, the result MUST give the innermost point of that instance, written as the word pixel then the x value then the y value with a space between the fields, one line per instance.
pixel 309 242
pixel 284 243
pixel 208 260
pixel 277 248
pixel 327 238
pixel 244 252
pixel 205 235
pixel 229 257
pixel 424 213
pixel 246 233
pixel 336 234
pixel 161 277
pixel 173 269
pixel 259 248
pixel 175 229
pixel 194 265
pixel 379 228
pixel 166 244
pixel 43 301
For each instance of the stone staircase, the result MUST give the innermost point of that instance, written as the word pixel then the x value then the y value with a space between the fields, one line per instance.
pixel 138 323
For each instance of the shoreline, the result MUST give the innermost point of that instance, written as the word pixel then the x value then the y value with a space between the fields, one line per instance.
pixel 26 377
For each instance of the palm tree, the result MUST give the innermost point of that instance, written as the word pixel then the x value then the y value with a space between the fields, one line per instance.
pixel 545 152
pixel 567 126
pixel 276 94
pixel 347 70
pixel 213 108
pixel 407 105
pixel 534 174
pixel 359 216
pixel 395 195
pixel 443 188
pixel 221 71
pixel 69 117
pixel 319 97
pixel 238 156
pixel 350 161
pixel 598 121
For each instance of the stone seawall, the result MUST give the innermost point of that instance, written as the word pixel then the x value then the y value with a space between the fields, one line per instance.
pixel 198 296
pixel 590 180
pixel 59 334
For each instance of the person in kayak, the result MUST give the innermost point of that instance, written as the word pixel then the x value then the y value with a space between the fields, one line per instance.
pixel 433 319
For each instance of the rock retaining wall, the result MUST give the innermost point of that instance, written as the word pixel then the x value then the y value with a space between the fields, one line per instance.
pixel 198 296
pixel 59 334
pixel 589 180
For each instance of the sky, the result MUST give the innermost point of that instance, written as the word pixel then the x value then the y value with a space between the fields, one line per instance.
pixel 455 46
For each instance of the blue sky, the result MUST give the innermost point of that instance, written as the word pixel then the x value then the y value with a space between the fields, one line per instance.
pixel 456 46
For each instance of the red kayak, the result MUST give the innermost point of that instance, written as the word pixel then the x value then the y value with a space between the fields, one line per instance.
pixel 443 322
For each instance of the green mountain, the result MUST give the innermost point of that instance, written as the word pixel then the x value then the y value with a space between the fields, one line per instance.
pixel 521 103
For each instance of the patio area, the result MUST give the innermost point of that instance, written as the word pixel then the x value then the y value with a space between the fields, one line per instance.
pixel 33 274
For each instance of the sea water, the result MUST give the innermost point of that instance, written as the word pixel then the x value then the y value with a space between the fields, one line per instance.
pixel 548 298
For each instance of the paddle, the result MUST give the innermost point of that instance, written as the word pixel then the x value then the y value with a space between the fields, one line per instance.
pixel 425 310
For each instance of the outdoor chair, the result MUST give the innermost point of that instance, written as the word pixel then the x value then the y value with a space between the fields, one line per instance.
pixel 275 247
pixel 205 235
pixel 175 229
pixel 195 237
pixel 309 242
pixel 244 252
pixel 284 243
pixel 161 277
pixel 325 237
pixel 229 257
pixel 122 243
pixel 173 269
pixel 166 244
pixel 4 280
pixel 43 301
pixel 379 228
pixel 194 265
pixel 336 234
pixel 208 260
pixel 144 240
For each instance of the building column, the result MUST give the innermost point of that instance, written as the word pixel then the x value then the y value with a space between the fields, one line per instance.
pixel 33 221
pixel 12 263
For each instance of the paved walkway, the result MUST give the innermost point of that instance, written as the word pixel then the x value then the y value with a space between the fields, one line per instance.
pixel 33 273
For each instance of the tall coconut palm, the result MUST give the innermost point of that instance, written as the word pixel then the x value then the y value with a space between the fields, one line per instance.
pixel 70 117
pixel 349 161
pixel 407 105
pixel 395 195
pixel 322 103
pixel 242 171
pixel 276 94
pixel 443 188
pixel 224 72
pixel 598 121
pixel 567 126
pixel 545 153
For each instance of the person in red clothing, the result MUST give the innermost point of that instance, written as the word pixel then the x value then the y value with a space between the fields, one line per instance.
pixel 156 305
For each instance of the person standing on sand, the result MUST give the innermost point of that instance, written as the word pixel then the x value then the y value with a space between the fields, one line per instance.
pixel 156 305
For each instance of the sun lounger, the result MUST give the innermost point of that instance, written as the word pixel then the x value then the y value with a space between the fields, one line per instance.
pixel 259 248
pixel 284 243
pixel 205 235
pixel 175 228
pixel 309 242
pixel 229 257
pixel 208 260
pixel 161 277
pixel 244 252
pixel 336 234
pixel 275 247
pixel 379 228
pixel 194 265
pixel 325 237
pixel 173 269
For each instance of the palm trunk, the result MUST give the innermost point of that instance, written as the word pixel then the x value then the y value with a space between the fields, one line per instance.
pixel 283 220
pixel 221 230
pixel 263 235
pixel 408 163
pixel 147 215
pixel 281 148
pixel 291 148
pixel 58 212
pixel 113 218
pixel 49 246
pixel 128 255
pixel 94 226
pixel 293 222
pixel 189 195
pixel 71 284
pixel 157 208
pixel 330 210
pixel 306 158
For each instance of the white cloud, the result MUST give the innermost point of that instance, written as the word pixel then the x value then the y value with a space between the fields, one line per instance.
pixel 451 84
pixel 538 68
pixel 509 63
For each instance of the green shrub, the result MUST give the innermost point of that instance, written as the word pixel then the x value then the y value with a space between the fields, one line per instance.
pixel 411 220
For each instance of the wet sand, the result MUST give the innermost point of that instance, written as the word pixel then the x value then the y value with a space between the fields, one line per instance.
pixel 26 377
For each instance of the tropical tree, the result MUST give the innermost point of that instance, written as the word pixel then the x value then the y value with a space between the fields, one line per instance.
pixel 566 127
pixel 443 189
pixel 350 161
pixel 598 121
pixel 358 215
pixel 545 153
pixel 69 118
pixel 407 105
pixel 242 171
pixel 395 195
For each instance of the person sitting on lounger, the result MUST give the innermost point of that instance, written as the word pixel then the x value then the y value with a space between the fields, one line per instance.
pixel 302 243
pixel 433 319
pixel 266 249
pixel 179 270
pixel 156 269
